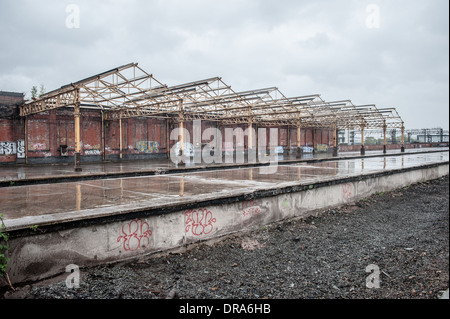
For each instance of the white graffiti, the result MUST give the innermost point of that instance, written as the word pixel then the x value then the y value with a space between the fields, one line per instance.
pixel 20 149
pixel 8 148
pixel 307 149
pixel 92 152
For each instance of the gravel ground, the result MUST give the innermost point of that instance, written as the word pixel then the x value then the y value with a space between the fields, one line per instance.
pixel 403 234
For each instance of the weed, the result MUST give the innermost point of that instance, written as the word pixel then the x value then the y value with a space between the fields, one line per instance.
pixel 4 236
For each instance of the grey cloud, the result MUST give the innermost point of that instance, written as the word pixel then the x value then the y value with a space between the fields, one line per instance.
pixel 302 47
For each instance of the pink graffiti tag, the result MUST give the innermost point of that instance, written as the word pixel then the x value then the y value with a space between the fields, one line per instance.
pixel 250 208
pixel 250 211
pixel 135 234
pixel 199 222
pixel 346 191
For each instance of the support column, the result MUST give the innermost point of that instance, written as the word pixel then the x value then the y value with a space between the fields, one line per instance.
pixel 363 150
pixel 335 141
pixel 26 139
pixel 120 137
pixel 384 138
pixel 289 140
pixel 403 138
pixel 314 139
pixel 286 150
pixel 250 149
pixel 103 137
pixel 77 134
pixel 181 136
pixel 299 149
pixel 168 138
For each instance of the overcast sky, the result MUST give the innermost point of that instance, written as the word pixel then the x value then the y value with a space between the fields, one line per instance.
pixel 391 53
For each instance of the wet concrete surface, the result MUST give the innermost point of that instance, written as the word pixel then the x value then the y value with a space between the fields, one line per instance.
pixel 51 203
pixel 21 174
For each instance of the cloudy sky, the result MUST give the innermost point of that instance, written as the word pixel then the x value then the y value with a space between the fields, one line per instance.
pixel 391 53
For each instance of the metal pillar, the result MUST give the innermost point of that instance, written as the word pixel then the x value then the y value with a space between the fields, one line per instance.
pixel 335 141
pixel 26 139
pixel 363 150
pixel 403 138
pixel 103 137
pixel 288 140
pixel 250 149
pixel 77 133
pixel 120 137
pixel 299 149
pixel 384 138
pixel 168 138
pixel 181 134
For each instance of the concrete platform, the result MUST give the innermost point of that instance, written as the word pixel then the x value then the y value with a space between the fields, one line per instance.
pixel 16 175
pixel 99 221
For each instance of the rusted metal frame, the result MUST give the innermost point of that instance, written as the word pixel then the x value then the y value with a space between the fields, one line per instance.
pixel 100 104
pixel 318 113
pixel 153 96
pixel 65 99
pixel 144 93
pixel 205 98
pixel 237 98
pixel 214 103
pixel 133 101
pixel 77 116
pixel 317 109
pixel 260 100
pixel 71 86
pixel 114 88
pixel 154 109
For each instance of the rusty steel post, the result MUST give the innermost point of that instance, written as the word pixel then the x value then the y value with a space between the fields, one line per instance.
pixel 120 137
pixel 403 138
pixel 363 150
pixel 77 133
pixel 335 141
pixel 299 149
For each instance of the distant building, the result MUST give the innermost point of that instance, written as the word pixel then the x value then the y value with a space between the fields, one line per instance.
pixel 9 102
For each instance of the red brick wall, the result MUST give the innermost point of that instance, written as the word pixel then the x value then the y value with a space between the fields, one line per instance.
pixel 10 99
pixel 6 136
pixel 142 137
pixel 48 130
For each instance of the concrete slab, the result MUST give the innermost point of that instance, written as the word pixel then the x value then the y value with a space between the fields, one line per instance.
pixel 30 174
pixel 24 206
pixel 97 222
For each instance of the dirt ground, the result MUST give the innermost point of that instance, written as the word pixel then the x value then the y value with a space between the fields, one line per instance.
pixel 390 246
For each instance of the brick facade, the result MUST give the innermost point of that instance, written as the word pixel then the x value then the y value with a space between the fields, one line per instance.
pixel 51 136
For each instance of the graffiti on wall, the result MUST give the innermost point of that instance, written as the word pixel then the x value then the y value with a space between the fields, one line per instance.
pixel 8 148
pixel 135 234
pixel 346 191
pixel 322 147
pixel 92 152
pixel 199 221
pixel 148 146
pixel 250 210
pixel 21 149
pixel 307 149
pixel 39 147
